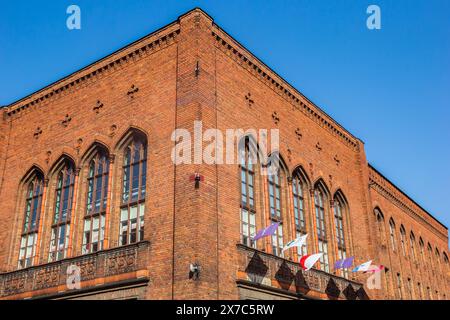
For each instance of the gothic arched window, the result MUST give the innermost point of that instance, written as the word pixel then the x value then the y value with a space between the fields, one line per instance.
pixel 319 204
pixel 132 207
pixel 392 233
pixel 380 226
pixel 33 205
pixel 412 242
pixel 62 213
pixel 97 195
pixel 422 249
pixel 275 206
pixel 298 195
pixel 248 210
pixel 403 239
pixel 339 227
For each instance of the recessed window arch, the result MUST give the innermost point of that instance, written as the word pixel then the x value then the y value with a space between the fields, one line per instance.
pixel 299 196
pixel 276 180
pixel 64 192
pixel 34 188
pixel 412 243
pixel 422 249
pixel 134 179
pixel 438 258
pixel 380 226
pixel 248 163
pixel 340 207
pixel 392 233
pixel 320 201
pixel 96 201
pixel 430 254
pixel 403 239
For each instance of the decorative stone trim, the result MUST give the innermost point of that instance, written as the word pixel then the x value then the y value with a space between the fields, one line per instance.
pixel 277 84
pixel 390 192
pixel 133 52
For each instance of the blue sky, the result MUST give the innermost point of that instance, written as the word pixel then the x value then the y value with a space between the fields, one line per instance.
pixel 389 87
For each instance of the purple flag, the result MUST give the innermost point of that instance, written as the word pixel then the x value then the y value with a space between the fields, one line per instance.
pixel 347 263
pixel 266 231
pixel 338 264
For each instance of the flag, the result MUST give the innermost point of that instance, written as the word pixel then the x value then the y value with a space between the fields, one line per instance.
pixel 343 263
pixel 363 267
pixel 374 268
pixel 270 230
pixel 347 263
pixel 300 241
pixel 308 261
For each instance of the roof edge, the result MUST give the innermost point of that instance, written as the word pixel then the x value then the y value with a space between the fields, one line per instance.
pixel 407 196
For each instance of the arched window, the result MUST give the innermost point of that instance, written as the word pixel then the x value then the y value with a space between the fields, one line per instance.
pixel 298 195
pixel 438 260
pixel 132 207
pixel 33 205
pixel 403 239
pixel 97 195
pixel 339 227
pixel 319 204
pixel 248 210
pixel 392 233
pixel 275 181
pixel 422 249
pixel 445 261
pixel 430 254
pixel 412 243
pixel 63 206
pixel 380 226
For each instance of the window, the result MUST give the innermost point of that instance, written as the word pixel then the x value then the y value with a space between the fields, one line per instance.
pixel 248 211
pixel 422 250
pixel 319 204
pixel 438 261
pixel 430 295
pixel 402 239
pixel 445 261
pixel 97 195
pixel 430 254
pixel 339 227
pixel 298 189
pixel 132 208
pixel 33 204
pixel 380 226
pixel 412 242
pixel 63 206
pixel 392 233
pixel 275 194
pixel 399 286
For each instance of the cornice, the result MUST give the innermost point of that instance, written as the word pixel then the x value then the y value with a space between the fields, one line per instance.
pixel 258 69
pixel 390 192
pixel 113 62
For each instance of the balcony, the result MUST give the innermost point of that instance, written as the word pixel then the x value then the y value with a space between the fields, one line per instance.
pixel 97 270
pixel 262 271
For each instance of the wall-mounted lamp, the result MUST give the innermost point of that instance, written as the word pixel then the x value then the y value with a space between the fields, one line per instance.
pixel 194 271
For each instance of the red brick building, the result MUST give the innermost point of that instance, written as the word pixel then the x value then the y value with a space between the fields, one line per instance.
pixel 87 180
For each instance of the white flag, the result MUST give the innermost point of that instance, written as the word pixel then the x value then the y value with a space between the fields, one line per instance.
pixel 300 241
pixel 363 266
pixel 308 261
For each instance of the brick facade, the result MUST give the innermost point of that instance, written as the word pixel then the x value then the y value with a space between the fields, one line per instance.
pixel 192 70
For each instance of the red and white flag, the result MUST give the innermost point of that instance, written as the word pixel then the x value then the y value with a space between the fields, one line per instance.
pixel 308 261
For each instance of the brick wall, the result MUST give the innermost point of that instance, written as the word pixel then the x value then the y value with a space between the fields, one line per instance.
pixel 192 70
